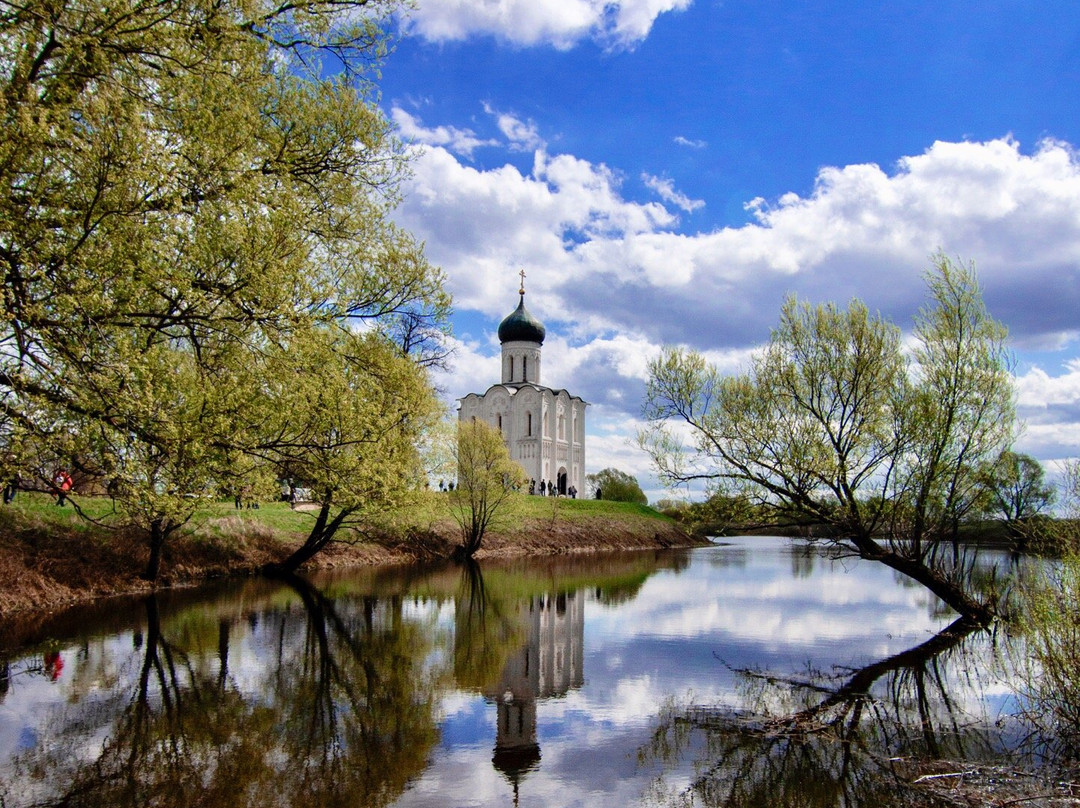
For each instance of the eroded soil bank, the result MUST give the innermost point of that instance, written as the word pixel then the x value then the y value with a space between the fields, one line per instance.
pixel 47 570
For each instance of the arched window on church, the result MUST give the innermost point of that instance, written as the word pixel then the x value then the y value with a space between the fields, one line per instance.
pixel 528 424
pixel 510 376
pixel 562 427
pixel 524 368
pixel 498 418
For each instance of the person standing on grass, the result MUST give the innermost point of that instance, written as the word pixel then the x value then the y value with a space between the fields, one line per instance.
pixel 12 488
pixel 62 483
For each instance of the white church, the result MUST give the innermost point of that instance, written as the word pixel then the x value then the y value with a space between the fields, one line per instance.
pixel 544 429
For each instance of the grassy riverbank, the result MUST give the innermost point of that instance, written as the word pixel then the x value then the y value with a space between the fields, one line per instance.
pixel 52 557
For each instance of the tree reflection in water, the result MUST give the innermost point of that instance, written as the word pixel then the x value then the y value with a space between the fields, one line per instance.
pixel 343 714
pixel 331 695
pixel 853 739
pixel 487 629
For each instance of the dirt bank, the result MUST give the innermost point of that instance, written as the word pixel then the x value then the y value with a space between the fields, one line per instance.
pixel 44 570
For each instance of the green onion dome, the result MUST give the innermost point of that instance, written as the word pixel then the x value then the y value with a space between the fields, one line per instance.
pixel 520 326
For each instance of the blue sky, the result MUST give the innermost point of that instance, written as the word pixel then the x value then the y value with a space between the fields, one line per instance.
pixel 666 171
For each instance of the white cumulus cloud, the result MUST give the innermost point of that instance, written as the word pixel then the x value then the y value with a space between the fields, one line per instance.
pixel 522 135
pixel 459 141
pixel 481 226
pixel 603 266
pixel 1036 389
pixel 665 189
pixel 558 23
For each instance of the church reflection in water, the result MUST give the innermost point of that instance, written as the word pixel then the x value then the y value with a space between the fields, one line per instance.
pixel 549 665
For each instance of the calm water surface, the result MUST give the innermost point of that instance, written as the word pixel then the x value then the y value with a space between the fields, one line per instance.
pixel 638 680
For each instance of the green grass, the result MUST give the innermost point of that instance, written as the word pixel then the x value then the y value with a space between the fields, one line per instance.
pixel 429 508
pixel 532 507
pixel 86 516
pixel 277 516
pixel 215 521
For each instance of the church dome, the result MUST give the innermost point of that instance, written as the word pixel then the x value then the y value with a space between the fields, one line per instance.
pixel 520 326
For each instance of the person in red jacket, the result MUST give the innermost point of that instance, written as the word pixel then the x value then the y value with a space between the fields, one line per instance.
pixel 62 483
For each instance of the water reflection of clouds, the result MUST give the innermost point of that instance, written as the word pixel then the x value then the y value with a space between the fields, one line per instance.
pixel 765 601
pixel 682 636
pixel 754 605
pixel 468 720
pixel 625 702
pixel 593 768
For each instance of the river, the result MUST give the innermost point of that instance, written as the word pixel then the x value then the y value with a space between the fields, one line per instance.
pixel 757 671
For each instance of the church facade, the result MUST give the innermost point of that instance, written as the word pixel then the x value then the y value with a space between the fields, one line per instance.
pixel 544 429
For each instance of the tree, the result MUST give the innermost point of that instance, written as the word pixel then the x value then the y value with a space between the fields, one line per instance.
pixel 1017 490
pixel 343 412
pixel 617 486
pixel 486 480
pixel 834 425
pixel 184 188
pixel 724 509
pixel 1050 620
pixel 961 409
pixel 164 458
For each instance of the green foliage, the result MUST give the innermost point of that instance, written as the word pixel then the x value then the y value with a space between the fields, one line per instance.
pixel 343 412
pixel 1016 491
pixel 810 420
pixel 668 504
pixel 487 478
pixel 1050 618
pixel 185 198
pixel 960 412
pixel 724 510
pixel 617 486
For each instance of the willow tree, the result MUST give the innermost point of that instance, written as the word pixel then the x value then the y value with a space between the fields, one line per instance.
pixel 836 425
pixel 188 184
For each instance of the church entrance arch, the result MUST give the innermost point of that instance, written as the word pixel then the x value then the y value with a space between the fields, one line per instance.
pixel 562 481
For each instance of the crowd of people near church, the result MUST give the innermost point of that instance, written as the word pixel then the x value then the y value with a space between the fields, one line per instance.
pixel 547 488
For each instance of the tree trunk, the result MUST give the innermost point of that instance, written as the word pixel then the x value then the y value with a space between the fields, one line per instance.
pixel 322 533
pixel 157 544
pixel 951 593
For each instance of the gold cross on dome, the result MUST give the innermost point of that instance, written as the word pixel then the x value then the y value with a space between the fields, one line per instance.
pixel 521 291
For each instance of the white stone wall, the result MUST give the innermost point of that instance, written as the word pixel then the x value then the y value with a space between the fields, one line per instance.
pixel 544 429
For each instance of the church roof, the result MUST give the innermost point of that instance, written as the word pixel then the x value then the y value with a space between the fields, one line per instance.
pixel 513 388
pixel 520 326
